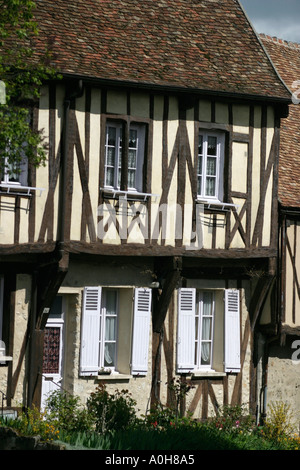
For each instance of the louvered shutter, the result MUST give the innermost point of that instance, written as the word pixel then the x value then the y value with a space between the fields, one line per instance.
pixel 232 331
pixel 141 331
pixel 186 330
pixel 90 331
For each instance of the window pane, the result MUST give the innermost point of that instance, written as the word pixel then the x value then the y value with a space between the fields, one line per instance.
pixel 199 165
pixel 109 181
pixel 111 302
pixel 110 328
pixel 206 328
pixel 212 145
pixel 206 354
pixel 110 156
pixel 132 158
pixel 56 308
pixel 207 303
pixel 211 169
pixel 131 178
pixel 111 136
pixel 110 355
pixel 210 187
pixel 199 185
pixel 200 145
pixel 133 138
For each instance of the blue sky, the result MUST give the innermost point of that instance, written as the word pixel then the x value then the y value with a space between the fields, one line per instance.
pixel 278 18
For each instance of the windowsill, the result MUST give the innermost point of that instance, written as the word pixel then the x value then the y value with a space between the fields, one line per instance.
pixel 113 376
pixel 215 204
pixel 4 359
pixel 130 195
pixel 16 189
pixel 207 373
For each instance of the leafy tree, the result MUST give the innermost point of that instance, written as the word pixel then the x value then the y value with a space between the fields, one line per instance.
pixel 22 72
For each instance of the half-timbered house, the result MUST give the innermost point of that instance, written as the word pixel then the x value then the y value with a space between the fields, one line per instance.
pixel 146 248
pixel 282 332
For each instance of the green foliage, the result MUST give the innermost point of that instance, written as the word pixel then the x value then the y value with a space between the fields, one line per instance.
pixel 32 422
pixel 279 421
pixel 22 74
pixel 109 422
pixel 65 411
pixel 112 411
pixel 233 420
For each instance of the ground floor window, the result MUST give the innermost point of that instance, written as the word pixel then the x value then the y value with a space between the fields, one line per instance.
pixel 208 330
pixel 115 330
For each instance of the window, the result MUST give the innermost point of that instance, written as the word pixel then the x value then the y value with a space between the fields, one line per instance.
pixel 15 174
pixel 208 331
pixel 108 341
pixel 210 165
pixel 116 159
pixel 204 329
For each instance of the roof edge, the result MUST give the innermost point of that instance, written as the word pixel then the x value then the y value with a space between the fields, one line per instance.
pixel 160 88
pixel 263 47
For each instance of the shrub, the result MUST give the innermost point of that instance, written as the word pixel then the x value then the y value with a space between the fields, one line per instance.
pixel 32 422
pixel 66 411
pixel 279 421
pixel 233 419
pixel 112 411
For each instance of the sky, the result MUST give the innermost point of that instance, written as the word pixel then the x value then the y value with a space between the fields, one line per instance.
pixel 278 18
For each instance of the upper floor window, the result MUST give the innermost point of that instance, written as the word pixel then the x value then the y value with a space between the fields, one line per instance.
pixel 210 165
pixel 15 173
pixel 124 156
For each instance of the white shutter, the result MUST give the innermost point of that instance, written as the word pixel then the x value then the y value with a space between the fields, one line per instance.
pixel 186 330
pixel 90 331
pixel 232 331
pixel 141 331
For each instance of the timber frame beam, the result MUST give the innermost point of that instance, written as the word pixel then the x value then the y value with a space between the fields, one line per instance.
pixel 162 301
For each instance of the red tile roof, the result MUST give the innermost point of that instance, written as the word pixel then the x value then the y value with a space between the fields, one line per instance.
pixel 206 45
pixel 286 57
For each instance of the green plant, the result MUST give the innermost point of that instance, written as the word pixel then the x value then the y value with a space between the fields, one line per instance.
pixel 66 411
pixel 180 388
pixel 279 421
pixel 32 422
pixel 233 419
pixel 112 411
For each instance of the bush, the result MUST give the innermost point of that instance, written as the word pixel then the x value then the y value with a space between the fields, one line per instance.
pixel 233 420
pixel 112 412
pixel 66 412
pixel 32 422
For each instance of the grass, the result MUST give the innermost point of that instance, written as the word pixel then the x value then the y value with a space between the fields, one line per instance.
pixel 194 438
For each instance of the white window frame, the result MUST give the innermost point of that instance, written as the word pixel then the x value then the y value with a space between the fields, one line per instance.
pixel 219 185
pixel 140 151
